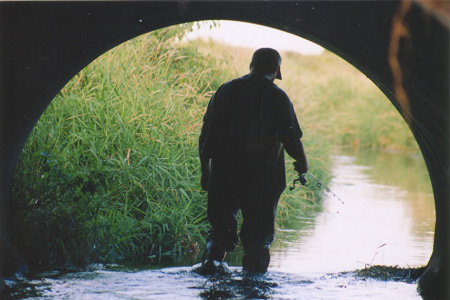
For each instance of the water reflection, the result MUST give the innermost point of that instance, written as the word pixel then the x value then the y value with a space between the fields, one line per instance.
pixel 239 286
pixel 410 174
pixel 387 218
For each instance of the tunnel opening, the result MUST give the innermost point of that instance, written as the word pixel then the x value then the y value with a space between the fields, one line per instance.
pixel 121 84
pixel 361 38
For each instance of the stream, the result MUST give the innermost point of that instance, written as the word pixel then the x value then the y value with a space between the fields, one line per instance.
pixel 387 219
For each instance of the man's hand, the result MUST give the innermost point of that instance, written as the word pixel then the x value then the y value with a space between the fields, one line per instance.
pixel 300 168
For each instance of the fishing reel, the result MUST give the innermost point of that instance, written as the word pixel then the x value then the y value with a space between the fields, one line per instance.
pixel 301 179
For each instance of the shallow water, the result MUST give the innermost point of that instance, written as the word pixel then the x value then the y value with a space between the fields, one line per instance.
pixel 379 223
pixel 387 218
pixel 181 283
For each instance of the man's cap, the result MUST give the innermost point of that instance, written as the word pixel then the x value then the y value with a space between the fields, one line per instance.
pixel 267 59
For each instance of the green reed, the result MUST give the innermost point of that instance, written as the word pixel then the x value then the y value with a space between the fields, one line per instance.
pixel 110 172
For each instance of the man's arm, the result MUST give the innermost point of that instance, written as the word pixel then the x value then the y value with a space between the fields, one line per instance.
pixel 207 138
pixel 290 134
pixel 205 161
pixel 206 172
pixel 296 150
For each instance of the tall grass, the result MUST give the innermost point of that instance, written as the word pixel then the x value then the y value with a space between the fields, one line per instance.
pixel 110 171
pixel 342 106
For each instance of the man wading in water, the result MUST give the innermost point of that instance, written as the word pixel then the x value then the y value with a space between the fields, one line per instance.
pixel 248 124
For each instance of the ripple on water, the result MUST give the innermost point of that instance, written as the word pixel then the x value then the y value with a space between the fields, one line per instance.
pixel 183 283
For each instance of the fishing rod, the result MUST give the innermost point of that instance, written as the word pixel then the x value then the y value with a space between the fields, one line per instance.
pixel 319 184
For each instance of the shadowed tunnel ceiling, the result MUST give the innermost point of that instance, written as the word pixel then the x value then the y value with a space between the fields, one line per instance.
pixel 43 45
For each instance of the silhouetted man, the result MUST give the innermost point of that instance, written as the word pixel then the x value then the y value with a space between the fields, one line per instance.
pixel 248 124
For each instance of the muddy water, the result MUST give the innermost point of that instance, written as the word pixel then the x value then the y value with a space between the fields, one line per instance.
pixel 387 218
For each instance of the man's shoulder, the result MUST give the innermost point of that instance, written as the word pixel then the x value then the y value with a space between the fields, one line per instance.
pixel 279 93
pixel 252 80
pixel 232 84
pixel 239 80
pixel 246 81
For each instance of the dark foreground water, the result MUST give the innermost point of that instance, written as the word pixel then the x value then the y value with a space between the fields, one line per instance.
pixel 387 219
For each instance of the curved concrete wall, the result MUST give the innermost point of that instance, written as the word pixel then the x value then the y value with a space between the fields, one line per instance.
pixel 43 45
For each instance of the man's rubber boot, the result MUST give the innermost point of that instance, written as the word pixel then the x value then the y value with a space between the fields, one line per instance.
pixel 214 251
pixel 213 258
pixel 256 260
pixel 208 267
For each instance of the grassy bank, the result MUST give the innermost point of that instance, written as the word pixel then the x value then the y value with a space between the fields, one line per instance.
pixel 343 106
pixel 110 173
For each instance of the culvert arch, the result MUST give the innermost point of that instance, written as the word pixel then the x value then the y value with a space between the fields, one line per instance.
pixel 43 45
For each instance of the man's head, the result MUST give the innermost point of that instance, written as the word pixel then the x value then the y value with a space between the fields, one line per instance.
pixel 266 61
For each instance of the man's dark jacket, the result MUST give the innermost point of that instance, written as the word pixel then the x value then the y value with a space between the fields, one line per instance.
pixel 247 121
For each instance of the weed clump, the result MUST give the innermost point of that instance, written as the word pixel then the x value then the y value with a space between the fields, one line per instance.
pixel 390 273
